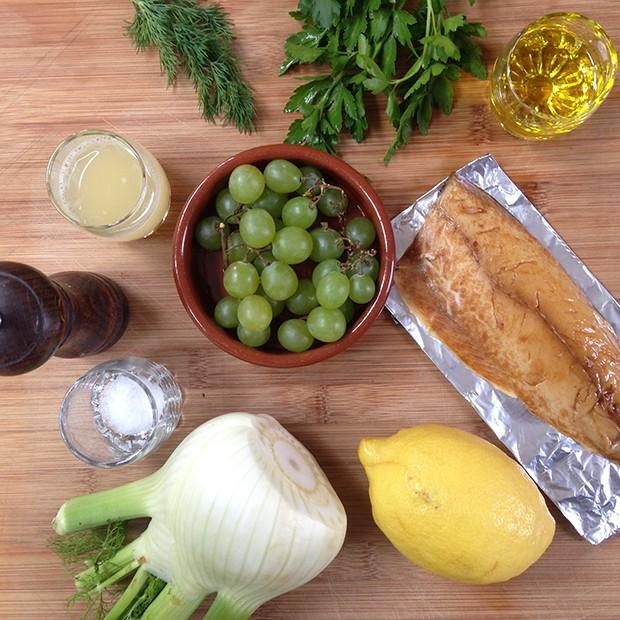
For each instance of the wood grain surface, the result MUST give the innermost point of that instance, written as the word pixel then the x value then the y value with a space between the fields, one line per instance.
pixel 65 66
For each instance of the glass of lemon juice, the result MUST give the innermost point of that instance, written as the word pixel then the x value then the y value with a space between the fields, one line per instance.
pixel 552 76
pixel 107 185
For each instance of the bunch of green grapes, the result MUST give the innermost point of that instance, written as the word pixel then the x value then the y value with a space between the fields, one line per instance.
pixel 270 229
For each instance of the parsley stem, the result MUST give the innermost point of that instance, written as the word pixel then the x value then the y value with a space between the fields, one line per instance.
pixel 429 22
pixel 429 16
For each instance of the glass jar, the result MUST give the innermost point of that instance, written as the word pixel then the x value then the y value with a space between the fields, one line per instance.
pixel 107 185
pixel 552 76
pixel 120 411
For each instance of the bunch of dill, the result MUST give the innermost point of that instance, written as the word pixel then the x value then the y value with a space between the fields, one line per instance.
pixel 198 39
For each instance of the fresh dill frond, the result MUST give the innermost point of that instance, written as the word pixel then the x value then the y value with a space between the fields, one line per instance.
pixel 92 548
pixel 198 39
pixel 96 604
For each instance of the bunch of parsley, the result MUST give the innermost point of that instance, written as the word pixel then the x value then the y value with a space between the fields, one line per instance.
pixel 412 56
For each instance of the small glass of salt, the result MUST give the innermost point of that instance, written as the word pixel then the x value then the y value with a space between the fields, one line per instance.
pixel 120 411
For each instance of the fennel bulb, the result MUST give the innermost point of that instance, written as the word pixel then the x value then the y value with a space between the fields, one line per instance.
pixel 240 508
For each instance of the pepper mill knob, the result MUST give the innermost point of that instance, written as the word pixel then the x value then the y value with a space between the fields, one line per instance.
pixel 69 314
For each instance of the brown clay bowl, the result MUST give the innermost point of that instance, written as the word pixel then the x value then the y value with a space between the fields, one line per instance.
pixel 198 281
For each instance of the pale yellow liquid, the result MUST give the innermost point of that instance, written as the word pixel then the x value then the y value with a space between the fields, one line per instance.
pixel 109 188
pixel 104 183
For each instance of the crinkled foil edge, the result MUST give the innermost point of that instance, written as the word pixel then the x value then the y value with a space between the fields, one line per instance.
pixel 584 486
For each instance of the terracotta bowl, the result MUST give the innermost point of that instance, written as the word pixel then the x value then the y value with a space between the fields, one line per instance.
pixel 199 285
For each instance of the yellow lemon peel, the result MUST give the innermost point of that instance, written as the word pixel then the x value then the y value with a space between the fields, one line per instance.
pixel 455 504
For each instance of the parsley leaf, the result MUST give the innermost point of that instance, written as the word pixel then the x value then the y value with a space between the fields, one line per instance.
pixel 443 93
pixel 323 12
pixel 400 27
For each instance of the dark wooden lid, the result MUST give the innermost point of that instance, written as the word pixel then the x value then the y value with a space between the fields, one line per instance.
pixel 30 323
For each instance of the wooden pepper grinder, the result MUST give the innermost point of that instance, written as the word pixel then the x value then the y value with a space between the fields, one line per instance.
pixel 69 314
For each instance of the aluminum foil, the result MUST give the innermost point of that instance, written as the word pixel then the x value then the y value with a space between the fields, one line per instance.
pixel 583 485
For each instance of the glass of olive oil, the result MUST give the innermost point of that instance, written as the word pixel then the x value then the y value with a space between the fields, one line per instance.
pixel 552 76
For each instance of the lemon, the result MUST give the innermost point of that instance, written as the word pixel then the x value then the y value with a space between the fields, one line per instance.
pixel 455 504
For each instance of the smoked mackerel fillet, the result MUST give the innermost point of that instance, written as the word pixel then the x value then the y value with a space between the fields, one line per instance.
pixel 495 296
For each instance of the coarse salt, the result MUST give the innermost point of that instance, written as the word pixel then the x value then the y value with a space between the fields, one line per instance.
pixel 125 407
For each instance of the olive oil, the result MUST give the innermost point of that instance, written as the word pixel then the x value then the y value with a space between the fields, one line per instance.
pixel 553 76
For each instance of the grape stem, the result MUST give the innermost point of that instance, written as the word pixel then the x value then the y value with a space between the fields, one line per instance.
pixel 352 245
pixel 322 186
pixel 234 247
pixel 224 243
pixel 229 221
pixel 359 257
pixel 238 211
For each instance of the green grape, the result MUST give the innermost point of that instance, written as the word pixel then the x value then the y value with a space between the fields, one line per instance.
pixel 236 249
pixel 208 233
pixel 333 290
pixel 348 309
pixel 227 207
pixel 271 202
pixel 253 339
pixel 292 245
pixel 279 281
pixel 246 184
pixel 326 325
pixel 327 243
pixel 257 228
pixel 361 231
pixel 310 178
pixel 240 279
pixel 294 336
pixel 279 223
pixel 276 306
pixel 225 312
pixel 364 265
pixel 254 313
pixel 323 268
pixel 263 259
pixel 282 176
pixel 299 211
pixel 333 202
pixel 362 289
pixel 303 299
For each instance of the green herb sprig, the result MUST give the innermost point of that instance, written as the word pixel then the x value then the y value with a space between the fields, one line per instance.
pixel 198 39
pixel 95 549
pixel 364 42
pixel 91 548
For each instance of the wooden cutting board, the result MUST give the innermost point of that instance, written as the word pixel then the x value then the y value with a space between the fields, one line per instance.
pixel 65 65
